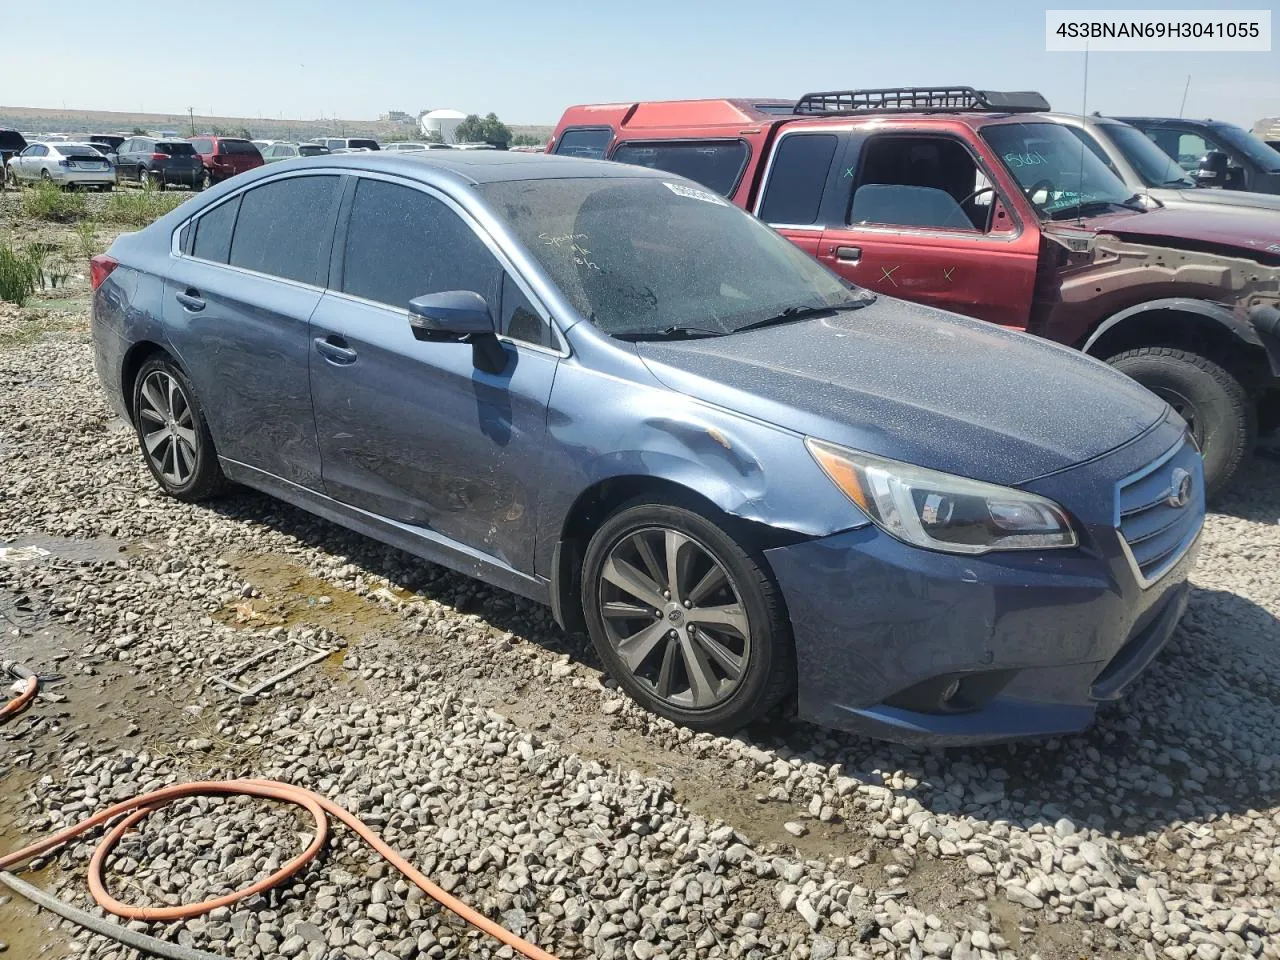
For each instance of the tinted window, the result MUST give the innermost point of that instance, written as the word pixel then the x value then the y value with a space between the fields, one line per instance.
pixel 176 149
pixel 202 146
pixel 402 243
pixel 520 321
pixel 797 177
pixel 714 164
pixel 585 143
pixel 236 146
pixel 312 149
pixel 1245 143
pixel 213 232
pixel 369 144
pixel 283 227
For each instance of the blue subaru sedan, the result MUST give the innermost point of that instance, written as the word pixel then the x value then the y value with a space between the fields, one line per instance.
pixel 607 389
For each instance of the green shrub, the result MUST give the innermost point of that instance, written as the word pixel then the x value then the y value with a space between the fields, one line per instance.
pixel 19 275
pixel 138 208
pixel 48 201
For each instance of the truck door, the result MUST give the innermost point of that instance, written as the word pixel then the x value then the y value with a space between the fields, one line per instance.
pixel 923 219
pixel 801 185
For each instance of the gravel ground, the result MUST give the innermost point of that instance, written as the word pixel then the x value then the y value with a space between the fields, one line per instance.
pixel 485 745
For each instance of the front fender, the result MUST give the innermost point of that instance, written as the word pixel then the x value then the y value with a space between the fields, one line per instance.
pixel 1238 327
pixel 604 427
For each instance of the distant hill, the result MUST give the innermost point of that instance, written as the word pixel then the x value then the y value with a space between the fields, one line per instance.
pixel 49 120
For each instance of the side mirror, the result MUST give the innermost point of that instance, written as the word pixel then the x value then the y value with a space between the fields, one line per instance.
pixel 456 315
pixel 1212 171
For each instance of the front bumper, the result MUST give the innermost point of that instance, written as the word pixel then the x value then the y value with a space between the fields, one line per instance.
pixel 1035 640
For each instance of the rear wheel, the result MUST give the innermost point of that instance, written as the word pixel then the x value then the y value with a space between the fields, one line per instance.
pixel 1214 403
pixel 206 180
pixel 685 618
pixel 142 175
pixel 173 434
pixel 45 177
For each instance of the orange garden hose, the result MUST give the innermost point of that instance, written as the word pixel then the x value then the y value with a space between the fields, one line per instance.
pixel 19 702
pixel 138 807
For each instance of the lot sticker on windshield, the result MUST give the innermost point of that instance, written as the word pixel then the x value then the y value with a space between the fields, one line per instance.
pixel 693 193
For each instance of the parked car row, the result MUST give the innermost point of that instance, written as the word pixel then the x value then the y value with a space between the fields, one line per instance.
pixel 1080 230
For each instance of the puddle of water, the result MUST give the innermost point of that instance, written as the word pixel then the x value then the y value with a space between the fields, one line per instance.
pixel 35 546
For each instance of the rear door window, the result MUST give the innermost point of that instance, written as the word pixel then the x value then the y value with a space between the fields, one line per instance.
pixel 284 228
pixel 236 146
pixel 713 163
pixel 403 243
pixel 797 177
pixel 589 143
pixel 213 232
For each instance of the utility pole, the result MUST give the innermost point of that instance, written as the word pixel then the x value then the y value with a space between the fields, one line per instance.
pixel 192 116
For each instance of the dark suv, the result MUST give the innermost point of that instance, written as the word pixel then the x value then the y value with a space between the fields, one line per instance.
pixel 224 157
pixel 149 160
pixel 1215 153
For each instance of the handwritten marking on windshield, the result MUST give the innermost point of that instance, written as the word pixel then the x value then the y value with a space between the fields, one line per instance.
pixel 575 244
pixel 1032 159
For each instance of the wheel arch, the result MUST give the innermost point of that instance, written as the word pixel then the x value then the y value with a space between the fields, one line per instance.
pixel 1196 326
pixel 137 355
pixel 601 499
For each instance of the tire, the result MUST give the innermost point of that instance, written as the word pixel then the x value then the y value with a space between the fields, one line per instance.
pixel 195 475
pixel 206 181
pixel 1214 403
pixel 142 176
pixel 44 175
pixel 669 644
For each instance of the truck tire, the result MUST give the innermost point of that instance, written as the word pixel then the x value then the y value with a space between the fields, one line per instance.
pixel 1214 403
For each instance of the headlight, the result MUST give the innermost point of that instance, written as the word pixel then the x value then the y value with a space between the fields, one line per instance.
pixel 940 511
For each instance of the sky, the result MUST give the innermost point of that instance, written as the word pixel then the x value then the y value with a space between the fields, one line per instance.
pixel 526 61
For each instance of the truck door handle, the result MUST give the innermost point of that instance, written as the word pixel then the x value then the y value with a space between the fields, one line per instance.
pixel 335 350
pixel 848 254
pixel 190 300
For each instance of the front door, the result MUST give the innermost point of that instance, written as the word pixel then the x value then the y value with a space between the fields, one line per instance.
pixel 923 221
pixel 413 430
pixel 241 302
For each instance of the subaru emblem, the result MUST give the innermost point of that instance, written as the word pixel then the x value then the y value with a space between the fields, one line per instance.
pixel 1180 485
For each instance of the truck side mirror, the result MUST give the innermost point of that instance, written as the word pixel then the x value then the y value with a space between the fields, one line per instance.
pixel 1212 171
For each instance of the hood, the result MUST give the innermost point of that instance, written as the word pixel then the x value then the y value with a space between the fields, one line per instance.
pixel 920 385
pixel 1245 229
pixel 1225 198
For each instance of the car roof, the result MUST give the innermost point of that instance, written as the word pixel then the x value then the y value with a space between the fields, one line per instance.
pixel 482 166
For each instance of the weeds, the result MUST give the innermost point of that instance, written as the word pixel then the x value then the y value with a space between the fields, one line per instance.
pixel 86 239
pixel 138 207
pixel 19 275
pixel 48 201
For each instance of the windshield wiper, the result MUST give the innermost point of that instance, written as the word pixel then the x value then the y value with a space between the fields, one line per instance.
pixel 803 313
pixel 670 333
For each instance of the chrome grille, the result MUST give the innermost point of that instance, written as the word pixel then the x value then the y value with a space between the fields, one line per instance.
pixel 1155 530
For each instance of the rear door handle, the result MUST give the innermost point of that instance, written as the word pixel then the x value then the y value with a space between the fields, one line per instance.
pixel 335 350
pixel 191 300
pixel 848 254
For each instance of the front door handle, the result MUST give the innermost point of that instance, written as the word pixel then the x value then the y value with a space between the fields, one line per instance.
pixel 335 350
pixel 191 300
pixel 848 254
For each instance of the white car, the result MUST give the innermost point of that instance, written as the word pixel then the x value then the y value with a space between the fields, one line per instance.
pixel 415 147
pixel 67 164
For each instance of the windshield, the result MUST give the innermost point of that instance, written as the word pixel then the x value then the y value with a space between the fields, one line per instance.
pixel 1057 172
pixel 644 256
pixel 1246 143
pixel 1153 165
pixel 367 144
pixel 312 149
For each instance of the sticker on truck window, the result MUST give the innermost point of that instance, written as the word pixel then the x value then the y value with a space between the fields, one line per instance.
pixel 693 193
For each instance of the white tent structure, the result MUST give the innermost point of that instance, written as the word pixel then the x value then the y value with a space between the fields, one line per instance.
pixel 443 122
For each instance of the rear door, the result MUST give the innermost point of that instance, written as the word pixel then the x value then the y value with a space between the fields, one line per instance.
pixel 238 308
pixel 923 218
pixel 412 429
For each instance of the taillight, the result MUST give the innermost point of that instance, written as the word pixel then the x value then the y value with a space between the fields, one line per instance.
pixel 159 156
pixel 100 268
pixel 64 163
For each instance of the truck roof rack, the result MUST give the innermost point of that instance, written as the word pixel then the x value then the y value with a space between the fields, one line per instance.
pixel 921 100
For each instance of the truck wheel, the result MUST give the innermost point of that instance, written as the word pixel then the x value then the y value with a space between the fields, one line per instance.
pixel 1214 403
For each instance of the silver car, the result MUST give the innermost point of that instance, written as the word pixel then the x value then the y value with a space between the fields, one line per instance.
pixel 415 147
pixel 67 164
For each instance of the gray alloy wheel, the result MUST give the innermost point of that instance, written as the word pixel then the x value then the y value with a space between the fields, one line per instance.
pixel 167 427
pixel 206 179
pixel 142 175
pixel 44 175
pixel 675 618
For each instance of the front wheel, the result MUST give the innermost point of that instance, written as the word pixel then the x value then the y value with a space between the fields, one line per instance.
pixel 173 434
pixel 1214 403
pixel 686 619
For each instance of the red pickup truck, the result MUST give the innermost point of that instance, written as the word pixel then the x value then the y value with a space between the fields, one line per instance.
pixel 967 200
